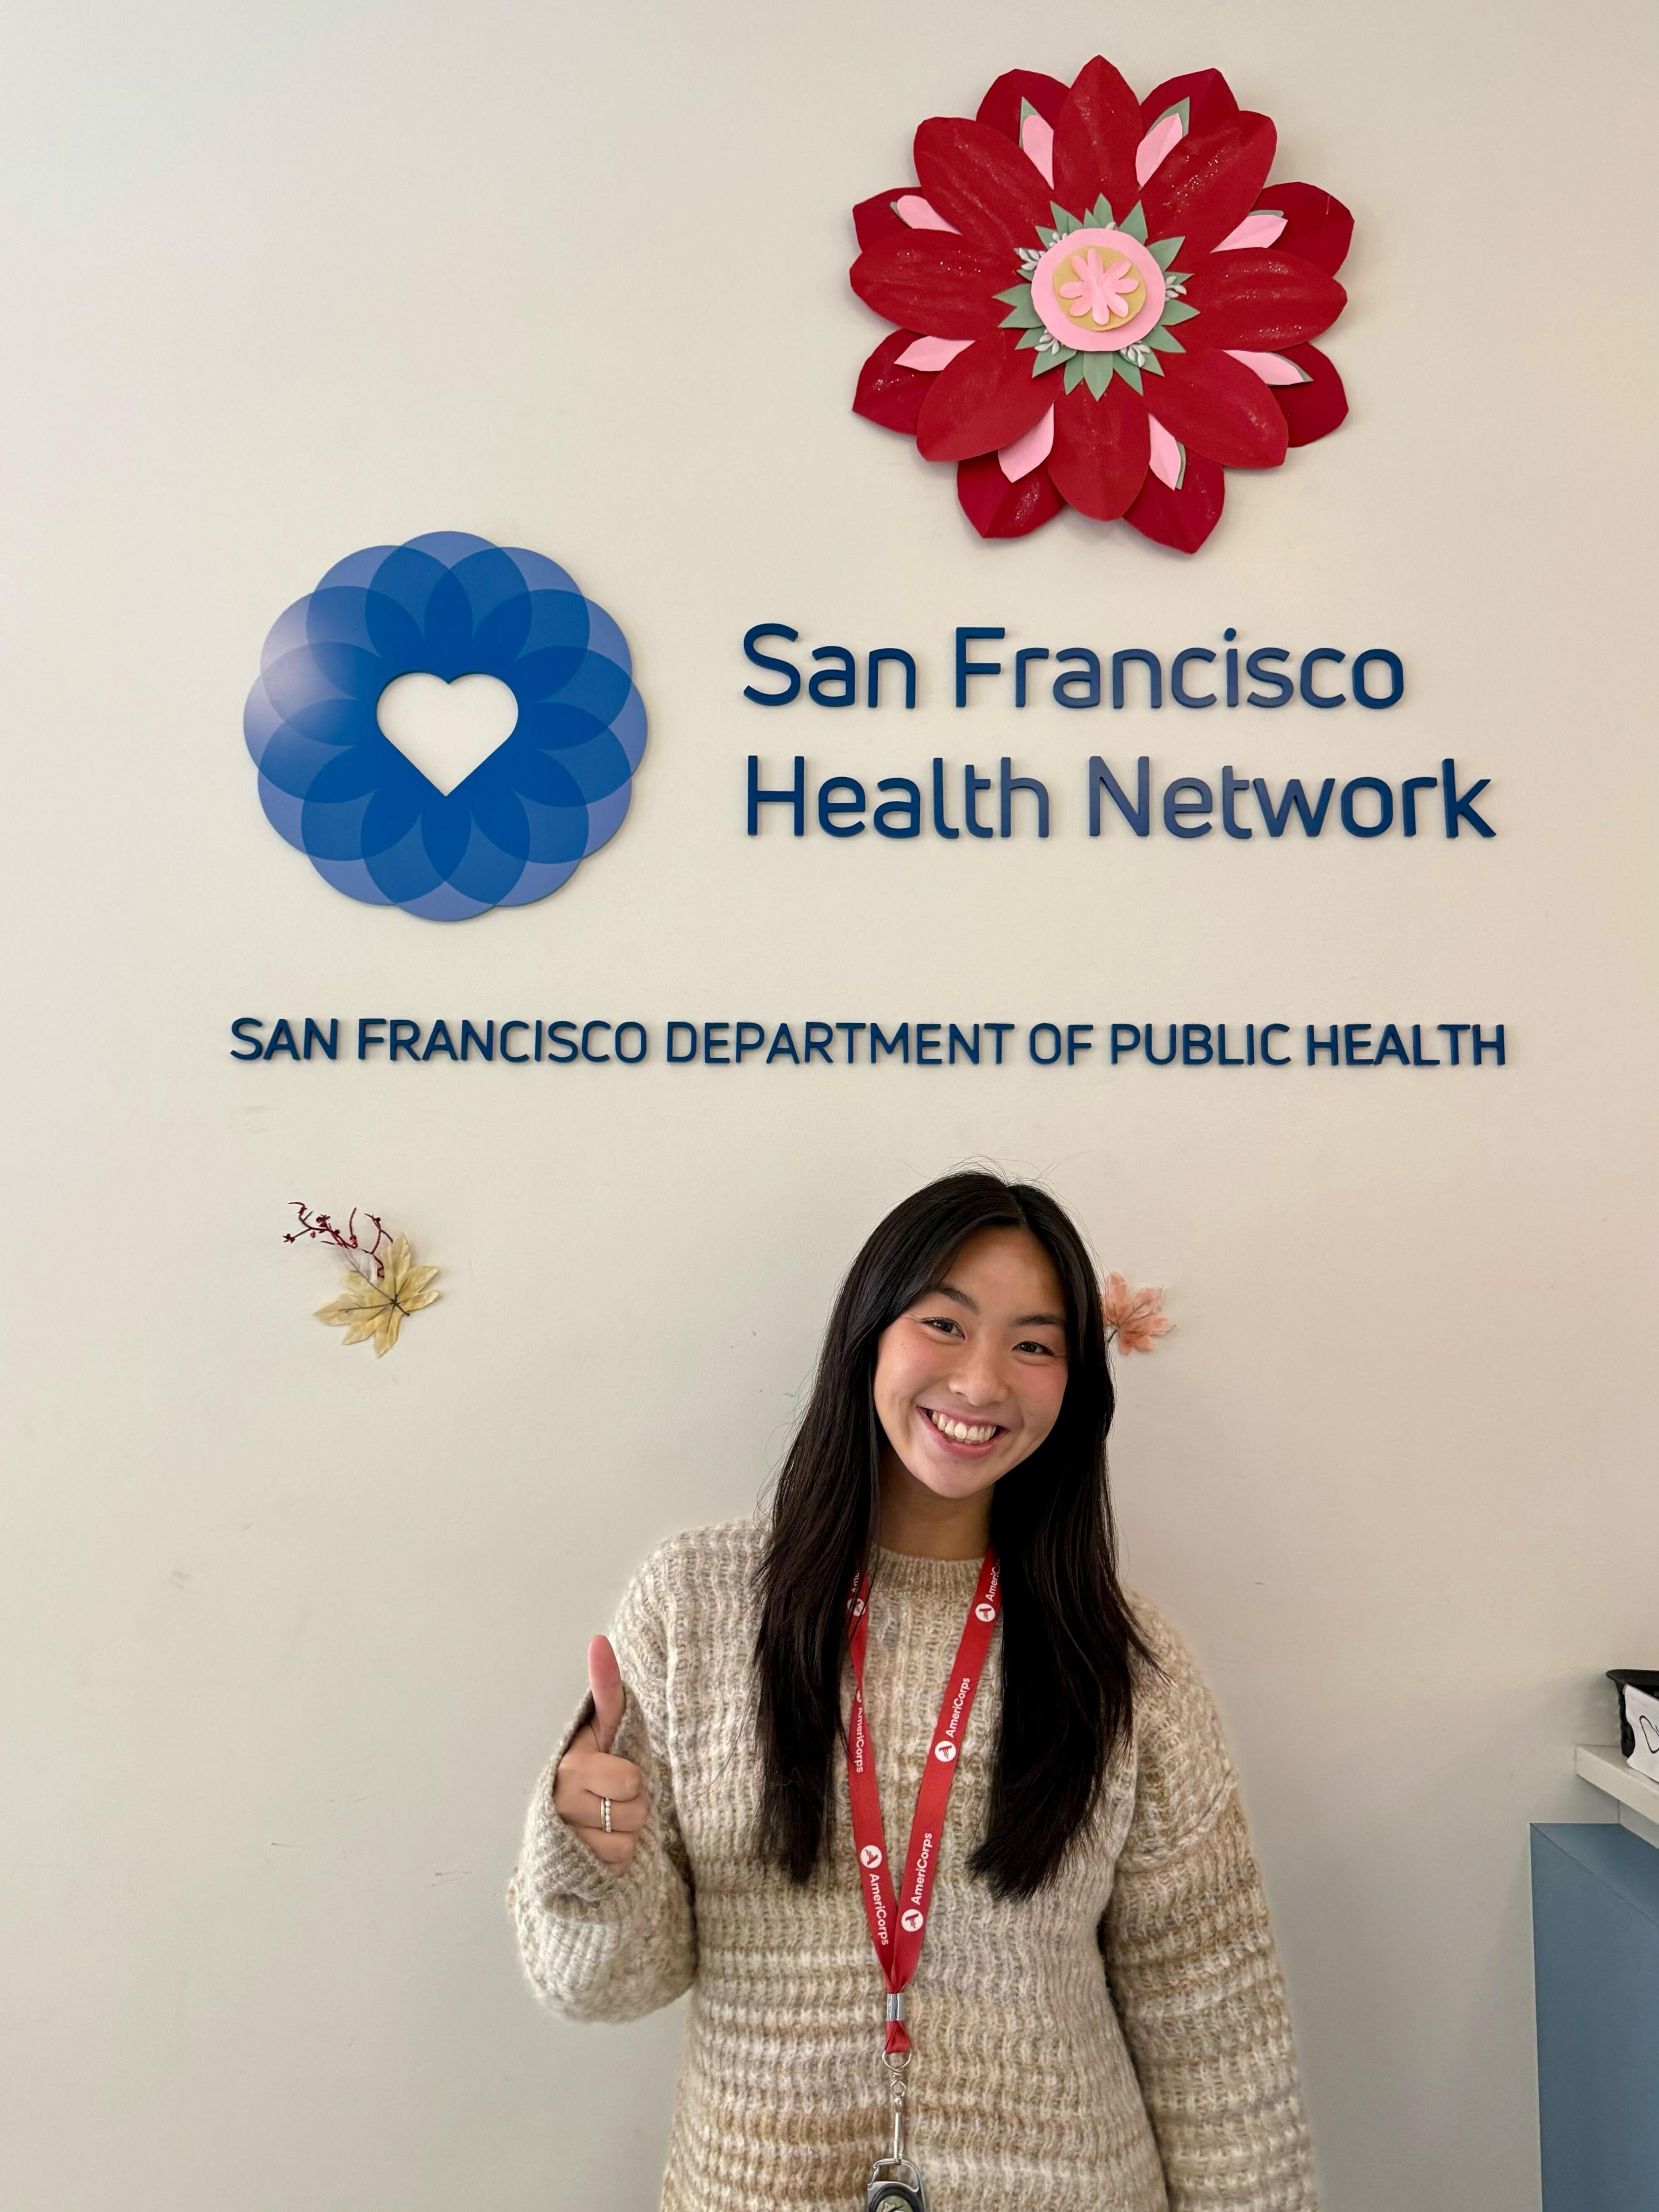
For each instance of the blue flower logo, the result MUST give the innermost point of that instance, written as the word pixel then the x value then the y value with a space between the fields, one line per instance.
pixel 445 605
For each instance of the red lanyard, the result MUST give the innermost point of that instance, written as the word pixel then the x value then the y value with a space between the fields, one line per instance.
pixel 896 1929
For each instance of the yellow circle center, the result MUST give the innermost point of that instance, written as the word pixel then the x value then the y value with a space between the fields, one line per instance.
pixel 1101 289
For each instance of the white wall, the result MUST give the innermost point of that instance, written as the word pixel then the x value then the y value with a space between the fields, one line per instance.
pixel 286 1632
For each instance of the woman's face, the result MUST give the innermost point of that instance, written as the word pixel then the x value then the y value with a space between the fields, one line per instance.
pixel 969 1381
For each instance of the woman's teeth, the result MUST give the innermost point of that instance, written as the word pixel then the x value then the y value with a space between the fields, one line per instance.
pixel 962 1432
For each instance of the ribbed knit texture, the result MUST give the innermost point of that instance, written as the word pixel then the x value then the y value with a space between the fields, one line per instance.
pixel 1117 2043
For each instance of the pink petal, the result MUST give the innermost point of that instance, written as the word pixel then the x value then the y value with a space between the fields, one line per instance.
pixel 933 353
pixel 1270 367
pixel 1154 146
pixel 1169 463
pixel 1037 140
pixel 1262 229
pixel 1030 452
pixel 911 208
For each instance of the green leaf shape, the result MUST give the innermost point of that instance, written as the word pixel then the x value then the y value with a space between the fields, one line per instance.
pixel 1043 362
pixel 1097 372
pixel 1047 235
pixel 1176 280
pixel 1162 341
pixel 1023 318
pixel 1133 224
pixel 1063 220
pixel 1025 109
pixel 1016 296
pixel 1183 108
pixel 1164 250
pixel 1076 369
pixel 1151 361
pixel 1126 369
pixel 1176 310
pixel 1100 215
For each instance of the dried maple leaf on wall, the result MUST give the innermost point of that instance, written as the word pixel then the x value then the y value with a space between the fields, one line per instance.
pixel 374 1306
pixel 1134 1319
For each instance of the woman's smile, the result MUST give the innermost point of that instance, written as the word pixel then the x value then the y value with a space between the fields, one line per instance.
pixel 962 1435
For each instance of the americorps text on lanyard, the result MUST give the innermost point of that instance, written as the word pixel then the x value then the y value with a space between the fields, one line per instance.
pixel 899 1920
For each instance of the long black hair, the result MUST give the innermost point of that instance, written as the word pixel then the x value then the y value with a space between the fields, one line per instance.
pixel 1069 1640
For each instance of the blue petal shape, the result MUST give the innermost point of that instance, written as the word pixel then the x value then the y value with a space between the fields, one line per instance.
pixel 447 604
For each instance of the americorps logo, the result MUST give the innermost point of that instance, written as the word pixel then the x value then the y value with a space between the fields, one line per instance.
pixel 445 606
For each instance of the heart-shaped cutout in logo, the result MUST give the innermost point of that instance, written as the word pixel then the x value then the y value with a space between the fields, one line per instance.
pixel 1649 1733
pixel 446 729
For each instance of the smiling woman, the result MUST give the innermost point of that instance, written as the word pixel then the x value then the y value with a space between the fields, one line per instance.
pixel 1068 1973
pixel 967 1384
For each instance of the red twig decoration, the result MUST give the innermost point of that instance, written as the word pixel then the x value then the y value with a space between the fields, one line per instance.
pixel 317 1226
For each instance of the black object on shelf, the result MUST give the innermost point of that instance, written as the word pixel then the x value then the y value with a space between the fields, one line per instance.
pixel 1645 1680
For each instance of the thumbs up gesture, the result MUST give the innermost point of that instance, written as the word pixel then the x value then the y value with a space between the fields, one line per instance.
pixel 602 1798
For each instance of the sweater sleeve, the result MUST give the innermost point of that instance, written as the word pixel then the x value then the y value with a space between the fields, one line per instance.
pixel 1189 1954
pixel 598 1944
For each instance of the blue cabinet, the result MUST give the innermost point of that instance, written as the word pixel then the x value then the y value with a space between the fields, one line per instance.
pixel 1596 1945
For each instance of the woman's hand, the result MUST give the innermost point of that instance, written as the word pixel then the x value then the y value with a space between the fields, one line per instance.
pixel 587 1774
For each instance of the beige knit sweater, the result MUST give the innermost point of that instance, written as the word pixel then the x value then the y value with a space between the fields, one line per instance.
pixel 1118 2042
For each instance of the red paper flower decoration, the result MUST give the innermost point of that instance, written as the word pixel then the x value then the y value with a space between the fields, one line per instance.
pixel 1102 302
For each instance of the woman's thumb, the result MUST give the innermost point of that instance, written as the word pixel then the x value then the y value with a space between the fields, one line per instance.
pixel 605 1681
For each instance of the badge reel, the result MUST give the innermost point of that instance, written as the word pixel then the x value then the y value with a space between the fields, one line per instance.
pixel 895 2180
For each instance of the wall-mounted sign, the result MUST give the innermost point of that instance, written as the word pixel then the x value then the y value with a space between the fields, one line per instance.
pixel 416 625
pixel 1102 303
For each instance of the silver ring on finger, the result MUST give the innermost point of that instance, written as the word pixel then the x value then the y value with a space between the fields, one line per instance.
pixel 605 1815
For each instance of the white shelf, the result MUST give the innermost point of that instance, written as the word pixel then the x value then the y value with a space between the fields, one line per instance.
pixel 1603 1766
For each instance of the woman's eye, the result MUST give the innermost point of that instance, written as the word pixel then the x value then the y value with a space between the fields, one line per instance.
pixel 1030 1345
pixel 943 1323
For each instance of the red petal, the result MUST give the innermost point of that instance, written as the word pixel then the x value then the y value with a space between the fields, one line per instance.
pixel 989 189
pixel 1208 92
pixel 1181 519
pixel 1095 142
pixel 1207 185
pixel 888 394
pixel 1314 409
pixel 1318 228
pixel 1101 449
pixel 998 508
pixel 983 401
pixel 875 218
pixel 1000 107
pixel 1218 407
pixel 1262 298
pixel 932 282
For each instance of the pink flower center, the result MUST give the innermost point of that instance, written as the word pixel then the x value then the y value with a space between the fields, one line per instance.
pixel 1098 290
